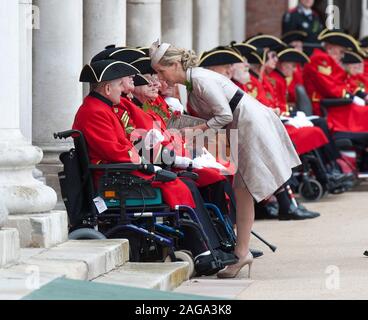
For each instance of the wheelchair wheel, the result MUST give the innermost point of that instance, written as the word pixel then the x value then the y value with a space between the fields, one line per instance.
pixel 310 190
pixel 184 255
pixel 86 234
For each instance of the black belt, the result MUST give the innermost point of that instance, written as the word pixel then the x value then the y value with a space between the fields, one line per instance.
pixel 235 100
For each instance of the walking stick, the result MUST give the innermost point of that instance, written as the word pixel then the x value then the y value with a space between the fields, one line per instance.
pixel 272 247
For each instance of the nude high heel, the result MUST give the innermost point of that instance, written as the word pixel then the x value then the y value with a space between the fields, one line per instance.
pixel 232 270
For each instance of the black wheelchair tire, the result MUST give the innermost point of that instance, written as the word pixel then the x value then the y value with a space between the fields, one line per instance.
pixel 317 190
pixel 86 234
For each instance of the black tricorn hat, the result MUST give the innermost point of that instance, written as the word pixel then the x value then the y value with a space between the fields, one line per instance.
pixel 123 54
pixel 294 35
pixel 243 49
pixel 352 57
pixel 144 65
pixel 339 38
pixel 105 54
pixel 219 57
pixel 140 80
pixel 292 55
pixel 106 70
pixel 266 41
pixel 145 50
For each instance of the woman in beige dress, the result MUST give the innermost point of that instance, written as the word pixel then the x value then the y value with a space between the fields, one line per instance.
pixel 266 155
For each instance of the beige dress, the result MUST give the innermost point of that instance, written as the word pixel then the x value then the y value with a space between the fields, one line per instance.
pixel 266 154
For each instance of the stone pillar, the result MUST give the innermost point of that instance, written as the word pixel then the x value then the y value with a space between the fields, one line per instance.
pixel 238 20
pixel 206 28
pixel 143 22
pixel 21 194
pixel 226 23
pixel 57 94
pixel 28 18
pixel 177 22
pixel 104 23
pixel 364 20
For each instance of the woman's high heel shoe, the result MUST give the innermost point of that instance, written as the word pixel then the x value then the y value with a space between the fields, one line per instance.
pixel 232 270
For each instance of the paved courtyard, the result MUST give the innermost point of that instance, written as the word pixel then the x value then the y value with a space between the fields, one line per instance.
pixel 315 259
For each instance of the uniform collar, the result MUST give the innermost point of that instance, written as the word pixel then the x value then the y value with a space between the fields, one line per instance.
pixel 306 12
pixel 101 98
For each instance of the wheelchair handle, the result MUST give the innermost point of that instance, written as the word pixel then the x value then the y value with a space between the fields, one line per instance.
pixel 66 134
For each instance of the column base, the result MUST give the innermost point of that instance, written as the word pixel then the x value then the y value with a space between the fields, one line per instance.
pixel 20 191
pixel 9 247
pixel 42 230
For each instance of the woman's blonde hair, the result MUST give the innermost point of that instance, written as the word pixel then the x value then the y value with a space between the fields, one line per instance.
pixel 188 58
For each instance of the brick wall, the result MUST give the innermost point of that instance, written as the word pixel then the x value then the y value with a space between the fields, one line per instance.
pixel 265 16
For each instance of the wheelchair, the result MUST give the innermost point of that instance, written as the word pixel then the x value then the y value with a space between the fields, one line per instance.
pixel 313 180
pixel 121 205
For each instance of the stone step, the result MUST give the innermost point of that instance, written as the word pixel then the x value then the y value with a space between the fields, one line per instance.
pixel 9 246
pixel 161 276
pixel 80 259
pixel 20 280
pixel 42 230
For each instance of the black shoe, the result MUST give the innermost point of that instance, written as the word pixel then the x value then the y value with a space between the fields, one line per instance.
pixel 301 207
pixel 256 253
pixel 298 214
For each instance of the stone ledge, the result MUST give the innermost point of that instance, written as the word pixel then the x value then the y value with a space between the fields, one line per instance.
pixel 82 259
pixel 9 246
pixel 161 276
pixel 43 230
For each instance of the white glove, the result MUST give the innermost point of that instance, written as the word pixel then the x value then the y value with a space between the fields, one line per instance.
pixel 207 160
pixel 152 138
pixel 174 104
pixel 157 168
pixel 359 101
pixel 300 121
pixel 182 162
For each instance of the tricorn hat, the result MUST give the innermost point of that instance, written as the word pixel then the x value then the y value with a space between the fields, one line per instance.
pixel 219 57
pixel 106 70
pixel 123 54
pixel 292 55
pixel 267 41
pixel 294 35
pixel 339 38
pixel 352 57
pixel 144 65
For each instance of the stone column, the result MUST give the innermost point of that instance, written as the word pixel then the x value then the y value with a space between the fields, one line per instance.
pixel 57 94
pixel 238 20
pixel 104 23
pixel 28 18
pixel 206 28
pixel 21 194
pixel 177 22
pixel 226 21
pixel 143 22
pixel 364 20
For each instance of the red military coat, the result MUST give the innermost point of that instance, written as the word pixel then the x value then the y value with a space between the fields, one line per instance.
pixel 292 82
pixel 149 120
pixel 108 143
pixel 324 78
pixel 305 139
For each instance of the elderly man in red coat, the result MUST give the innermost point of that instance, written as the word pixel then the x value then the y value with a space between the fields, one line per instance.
pixel 324 78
